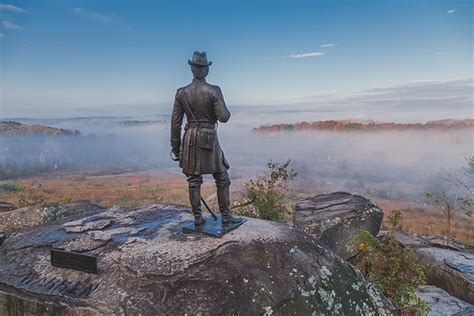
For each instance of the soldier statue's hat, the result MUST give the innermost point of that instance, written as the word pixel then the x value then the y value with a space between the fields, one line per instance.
pixel 199 59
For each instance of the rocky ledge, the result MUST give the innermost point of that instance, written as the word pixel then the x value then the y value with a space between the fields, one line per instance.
pixel 441 303
pixel 147 266
pixel 336 218
pixel 23 218
pixel 6 206
pixel 449 267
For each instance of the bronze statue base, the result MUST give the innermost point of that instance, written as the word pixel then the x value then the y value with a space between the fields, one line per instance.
pixel 211 227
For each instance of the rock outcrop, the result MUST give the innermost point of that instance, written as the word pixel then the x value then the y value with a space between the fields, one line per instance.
pixel 449 267
pixel 336 218
pixel 148 267
pixel 6 207
pixel 22 218
pixel 441 303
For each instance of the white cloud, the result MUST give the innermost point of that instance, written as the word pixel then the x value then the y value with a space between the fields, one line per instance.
pixel 98 17
pixel 1 35
pixel 9 25
pixel 327 45
pixel 11 7
pixel 450 11
pixel 305 55
pixel 435 98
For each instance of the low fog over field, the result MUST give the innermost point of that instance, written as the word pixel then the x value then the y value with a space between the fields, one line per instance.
pixel 110 144
pixel 141 141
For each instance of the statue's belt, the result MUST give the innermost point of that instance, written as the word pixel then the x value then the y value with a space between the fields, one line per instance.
pixel 205 124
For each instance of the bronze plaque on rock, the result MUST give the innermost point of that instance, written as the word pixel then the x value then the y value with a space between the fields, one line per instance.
pixel 73 260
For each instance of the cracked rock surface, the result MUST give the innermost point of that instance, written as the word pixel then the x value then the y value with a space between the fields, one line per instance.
pixel 23 218
pixel 148 267
pixel 449 267
pixel 336 218
pixel 441 303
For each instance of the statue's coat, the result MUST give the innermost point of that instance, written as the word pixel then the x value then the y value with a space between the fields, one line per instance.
pixel 207 105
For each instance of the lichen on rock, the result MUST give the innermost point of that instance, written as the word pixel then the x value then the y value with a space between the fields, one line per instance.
pixel 147 266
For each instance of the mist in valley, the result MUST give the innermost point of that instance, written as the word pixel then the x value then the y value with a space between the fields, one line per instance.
pixel 395 164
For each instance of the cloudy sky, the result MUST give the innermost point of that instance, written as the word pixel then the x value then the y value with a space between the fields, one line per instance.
pixel 66 58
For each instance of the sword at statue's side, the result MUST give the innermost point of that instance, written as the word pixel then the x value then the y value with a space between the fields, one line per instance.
pixel 176 158
pixel 209 209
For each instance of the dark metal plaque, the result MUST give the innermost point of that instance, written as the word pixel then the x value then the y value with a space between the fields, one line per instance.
pixel 211 227
pixel 73 260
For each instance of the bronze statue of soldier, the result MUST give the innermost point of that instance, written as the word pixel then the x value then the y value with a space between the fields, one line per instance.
pixel 199 151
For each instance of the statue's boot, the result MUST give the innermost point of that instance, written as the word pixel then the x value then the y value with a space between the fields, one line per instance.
pixel 223 198
pixel 195 200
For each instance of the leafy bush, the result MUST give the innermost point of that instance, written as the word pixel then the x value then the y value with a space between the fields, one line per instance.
pixel 266 195
pixel 459 198
pixel 450 205
pixel 395 220
pixel 390 266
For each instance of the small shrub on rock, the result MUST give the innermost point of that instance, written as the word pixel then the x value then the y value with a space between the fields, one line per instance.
pixel 390 267
pixel 266 196
pixel 395 220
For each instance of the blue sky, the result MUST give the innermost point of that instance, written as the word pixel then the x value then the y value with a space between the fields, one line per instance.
pixel 62 58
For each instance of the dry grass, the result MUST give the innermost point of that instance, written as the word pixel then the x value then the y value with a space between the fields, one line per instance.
pixel 171 187
pixel 126 189
pixel 426 219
